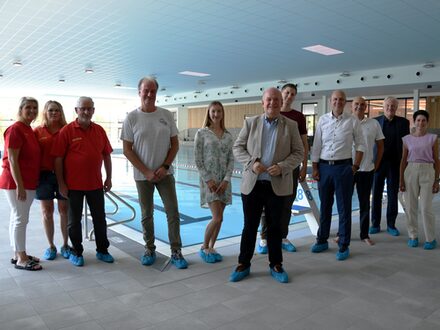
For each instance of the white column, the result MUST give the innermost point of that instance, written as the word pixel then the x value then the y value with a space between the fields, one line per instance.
pixel 416 96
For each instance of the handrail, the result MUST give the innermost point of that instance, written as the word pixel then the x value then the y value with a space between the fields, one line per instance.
pixel 111 196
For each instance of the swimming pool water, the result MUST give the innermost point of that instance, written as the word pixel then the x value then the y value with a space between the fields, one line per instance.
pixel 193 218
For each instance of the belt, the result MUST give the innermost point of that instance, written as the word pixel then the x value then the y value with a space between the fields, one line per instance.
pixel 347 161
pixel 264 182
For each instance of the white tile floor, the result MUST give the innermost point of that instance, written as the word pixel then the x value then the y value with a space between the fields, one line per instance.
pixel 387 286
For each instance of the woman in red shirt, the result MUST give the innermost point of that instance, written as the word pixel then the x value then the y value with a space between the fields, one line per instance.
pixel 19 179
pixel 52 121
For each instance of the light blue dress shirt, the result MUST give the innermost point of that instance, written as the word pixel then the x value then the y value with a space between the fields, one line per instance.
pixel 268 144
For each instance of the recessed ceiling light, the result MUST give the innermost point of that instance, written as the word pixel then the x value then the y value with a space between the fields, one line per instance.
pixel 429 65
pixel 345 74
pixel 194 74
pixel 282 81
pixel 61 80
pixel 323 50
pixel 118 85
pixel 17 63
pixel 198 92
pixel 89 70
pixel 235 87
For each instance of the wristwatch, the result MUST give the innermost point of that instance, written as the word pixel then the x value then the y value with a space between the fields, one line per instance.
pixel 166 166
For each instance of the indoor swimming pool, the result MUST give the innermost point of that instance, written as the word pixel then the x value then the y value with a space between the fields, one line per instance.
pixel 193 218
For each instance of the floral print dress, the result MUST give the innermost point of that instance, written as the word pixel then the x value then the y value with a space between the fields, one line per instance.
pixel 215 161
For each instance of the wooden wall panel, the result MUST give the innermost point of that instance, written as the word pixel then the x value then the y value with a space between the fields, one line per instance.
pixel 433 107
pixel 234 114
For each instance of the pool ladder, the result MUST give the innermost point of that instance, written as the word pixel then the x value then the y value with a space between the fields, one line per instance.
pixel 112 197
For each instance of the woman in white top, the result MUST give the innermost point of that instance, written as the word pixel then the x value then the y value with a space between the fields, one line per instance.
pixel 215 162
pixel 419 172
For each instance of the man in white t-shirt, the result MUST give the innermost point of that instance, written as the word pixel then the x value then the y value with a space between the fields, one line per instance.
pixel 150 143
pixel 363 179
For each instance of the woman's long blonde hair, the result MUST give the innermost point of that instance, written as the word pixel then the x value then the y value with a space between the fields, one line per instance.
pixel 44 121
pixel 208 121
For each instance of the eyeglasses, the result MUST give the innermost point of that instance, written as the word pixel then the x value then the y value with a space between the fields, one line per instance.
pixel 85 109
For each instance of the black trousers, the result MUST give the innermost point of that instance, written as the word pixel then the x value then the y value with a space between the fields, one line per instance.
pixel 287 210
pixel 363 182
pixel 262 196
pixel 388 171
pixel 95 201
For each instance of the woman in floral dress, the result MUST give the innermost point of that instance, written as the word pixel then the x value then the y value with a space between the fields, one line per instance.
pixel 215 162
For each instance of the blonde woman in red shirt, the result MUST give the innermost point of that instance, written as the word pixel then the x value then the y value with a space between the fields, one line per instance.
pixel 19 179
pixel 52 120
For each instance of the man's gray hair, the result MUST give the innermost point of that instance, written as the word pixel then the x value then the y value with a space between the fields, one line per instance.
pixel 84 98
pixel 148 78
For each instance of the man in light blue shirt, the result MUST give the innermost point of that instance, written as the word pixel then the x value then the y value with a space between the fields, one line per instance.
pixel 333 168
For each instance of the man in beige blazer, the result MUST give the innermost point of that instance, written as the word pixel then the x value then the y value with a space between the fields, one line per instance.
pixel 270 148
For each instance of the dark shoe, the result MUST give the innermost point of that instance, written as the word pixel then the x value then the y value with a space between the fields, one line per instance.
pixel 374 230
pixel 148 258
pixel 279 274
pixel 50 253
pixel 106 257
pixel 393 231
pixel 31 258
pixel 178 260
pixel 30 265
pixel 239 273
pixel 317 248
pixel 342 254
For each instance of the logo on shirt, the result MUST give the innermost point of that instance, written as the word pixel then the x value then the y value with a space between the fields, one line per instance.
pixel 163 121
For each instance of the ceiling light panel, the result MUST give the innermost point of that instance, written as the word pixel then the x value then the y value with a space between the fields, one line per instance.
pixel 323 50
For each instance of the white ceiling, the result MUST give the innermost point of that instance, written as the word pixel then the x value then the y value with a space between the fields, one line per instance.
pixel 239 42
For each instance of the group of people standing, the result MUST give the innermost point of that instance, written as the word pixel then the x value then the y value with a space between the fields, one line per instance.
pixel 63 161
pixel 59 161
pixel 349 151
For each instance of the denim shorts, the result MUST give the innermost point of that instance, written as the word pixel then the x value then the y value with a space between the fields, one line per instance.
pixel 48 187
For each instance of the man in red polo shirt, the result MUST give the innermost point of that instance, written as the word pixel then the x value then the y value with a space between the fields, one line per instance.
pixel 80 150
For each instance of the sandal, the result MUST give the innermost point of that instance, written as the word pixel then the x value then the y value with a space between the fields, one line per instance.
pixel 30 265
pixel 30 258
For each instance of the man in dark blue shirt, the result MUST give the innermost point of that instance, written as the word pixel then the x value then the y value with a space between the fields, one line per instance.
pixel 394 128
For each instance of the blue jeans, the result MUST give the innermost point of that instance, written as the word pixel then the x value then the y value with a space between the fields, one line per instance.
pixel 335 179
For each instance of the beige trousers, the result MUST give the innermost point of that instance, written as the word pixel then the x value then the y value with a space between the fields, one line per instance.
pixel 419 178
